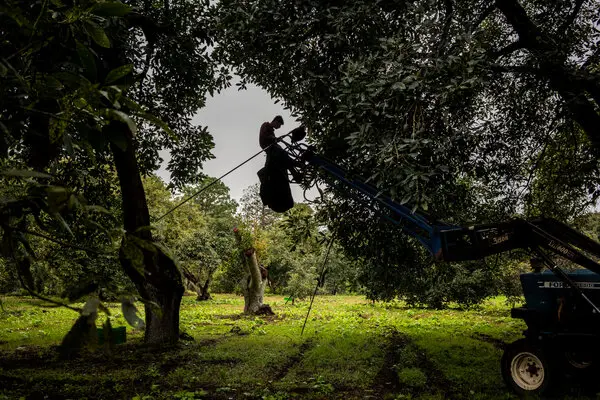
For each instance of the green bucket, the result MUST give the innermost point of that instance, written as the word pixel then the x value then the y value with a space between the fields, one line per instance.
pixel 118 334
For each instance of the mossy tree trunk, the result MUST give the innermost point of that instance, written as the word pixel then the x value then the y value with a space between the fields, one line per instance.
pixel 255 282
pixel 152 270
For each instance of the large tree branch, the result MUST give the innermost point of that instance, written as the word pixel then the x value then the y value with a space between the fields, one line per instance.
pixel 189 276
pixel 529 34
pixel 511 48
pixel 521 69
pixel 572 88
pixel 135 207
pixel 152 30
pixel 581 107
pixel 447 22
pixel 569 21
pixel 249 259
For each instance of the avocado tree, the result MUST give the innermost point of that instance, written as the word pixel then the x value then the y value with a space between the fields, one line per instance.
pixel 470 111
pixel 198 232
pixel 253 212
pixel 102 85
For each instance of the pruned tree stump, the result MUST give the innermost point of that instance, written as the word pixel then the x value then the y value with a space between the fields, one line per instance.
pixel 265 309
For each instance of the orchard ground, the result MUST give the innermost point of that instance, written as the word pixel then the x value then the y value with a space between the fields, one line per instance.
pixel 351 349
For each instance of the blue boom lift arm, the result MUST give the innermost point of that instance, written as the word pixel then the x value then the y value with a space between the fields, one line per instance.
pixel 456 243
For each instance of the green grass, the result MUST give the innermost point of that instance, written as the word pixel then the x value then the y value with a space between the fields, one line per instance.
pixel 350 349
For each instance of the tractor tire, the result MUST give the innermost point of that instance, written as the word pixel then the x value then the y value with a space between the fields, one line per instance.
pixel 527 370
pixel 583 367
pixel 580 361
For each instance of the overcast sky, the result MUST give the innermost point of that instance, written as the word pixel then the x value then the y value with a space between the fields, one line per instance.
pixel 233 118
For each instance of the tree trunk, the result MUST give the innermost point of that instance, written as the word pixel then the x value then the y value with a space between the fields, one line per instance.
pixel 203 291
pixel 194 282
pixel 162 326
pixel 155 275
pixel 256 281
pixel 580 92
pixel 254 291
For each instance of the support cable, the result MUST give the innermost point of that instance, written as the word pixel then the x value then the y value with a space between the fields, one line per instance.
pixel 319 281
pixel 219 178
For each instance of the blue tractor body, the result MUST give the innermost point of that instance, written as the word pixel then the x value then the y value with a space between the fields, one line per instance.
pixel 553 309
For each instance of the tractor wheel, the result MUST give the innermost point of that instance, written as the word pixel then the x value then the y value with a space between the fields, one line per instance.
pixel 583 367
pixel 526 369
pixel 579 361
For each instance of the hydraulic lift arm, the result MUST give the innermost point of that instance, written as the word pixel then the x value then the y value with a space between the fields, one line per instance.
pixel 456 243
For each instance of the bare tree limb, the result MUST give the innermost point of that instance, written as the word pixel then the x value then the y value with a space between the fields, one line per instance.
pixel 529 34
pixel 65 244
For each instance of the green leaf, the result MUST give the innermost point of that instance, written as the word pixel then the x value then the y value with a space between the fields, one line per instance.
pixel 73 202
pixel 3 70
pixel 97 34
pixel 147 228
pixel 145 244
pixel 165 250
pixel 118 73
pixel 62 221
pixel 56 129
pixel 4 129
pixel 117 115
pixel 17 15
pixel 98 209
pixel 130 104
pixel 88 61
pixel 57 197
pixel 25 173
pixel 160 123
pixel 130 313
pixel 52 83
pixel 111 9
pixel 74 80
pixel 99 227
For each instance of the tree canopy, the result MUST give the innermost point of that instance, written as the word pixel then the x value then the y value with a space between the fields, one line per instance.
pixel 469 111
pixel 92 90
pixel 436 101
